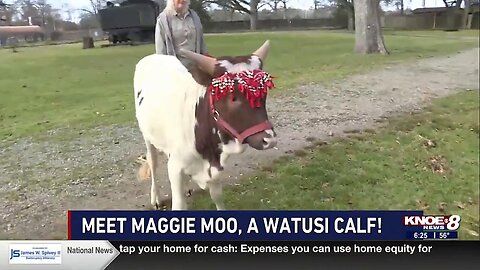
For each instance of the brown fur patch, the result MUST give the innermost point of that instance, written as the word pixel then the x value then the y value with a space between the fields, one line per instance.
pixel 207 143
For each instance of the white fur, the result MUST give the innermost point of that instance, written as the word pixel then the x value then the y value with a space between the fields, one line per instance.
pixel 166 118
pixel 254 64
pixel 231 148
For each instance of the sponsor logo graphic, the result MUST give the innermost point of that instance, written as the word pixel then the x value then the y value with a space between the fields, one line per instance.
pixel 35 254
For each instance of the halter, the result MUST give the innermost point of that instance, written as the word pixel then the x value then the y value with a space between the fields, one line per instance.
pixel 254 85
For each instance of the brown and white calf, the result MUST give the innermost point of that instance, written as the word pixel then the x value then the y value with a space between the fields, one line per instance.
pixel 200 117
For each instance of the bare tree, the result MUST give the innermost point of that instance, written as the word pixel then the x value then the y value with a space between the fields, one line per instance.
pixel 44 10
pixel 95 6
pixel 453 3
pixel 399 4
pixel 68 10
pixel 6 13
pixel 275 5
pixel 27 10
pixel 249 7
pixel 368 31
pixel 89 18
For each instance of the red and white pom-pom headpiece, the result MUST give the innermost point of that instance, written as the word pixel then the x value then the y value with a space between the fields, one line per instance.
pixel 253 84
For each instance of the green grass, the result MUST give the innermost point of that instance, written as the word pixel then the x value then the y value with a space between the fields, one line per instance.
pixel 389 170
pixel 63 86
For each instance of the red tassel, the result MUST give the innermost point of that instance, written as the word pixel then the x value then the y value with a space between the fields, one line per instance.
pixel 253 84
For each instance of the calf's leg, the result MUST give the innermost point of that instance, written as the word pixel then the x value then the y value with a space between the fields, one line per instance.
pixel 152 160
pixel 216 193
pixel 177 181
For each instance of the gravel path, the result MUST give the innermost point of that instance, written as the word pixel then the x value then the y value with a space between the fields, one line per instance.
pixel 39 181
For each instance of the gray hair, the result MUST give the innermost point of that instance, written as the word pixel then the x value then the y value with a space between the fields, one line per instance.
pixel 171 7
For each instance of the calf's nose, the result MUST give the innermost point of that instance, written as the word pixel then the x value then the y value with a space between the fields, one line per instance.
pixel 269 141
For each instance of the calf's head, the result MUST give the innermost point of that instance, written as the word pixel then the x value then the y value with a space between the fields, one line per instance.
pixel 237 94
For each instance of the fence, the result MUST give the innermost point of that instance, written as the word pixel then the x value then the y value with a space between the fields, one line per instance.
pixel 425 21
pixel 276 24
pixel 96 34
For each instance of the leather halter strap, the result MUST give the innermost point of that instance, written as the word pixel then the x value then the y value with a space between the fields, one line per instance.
pixel 240 136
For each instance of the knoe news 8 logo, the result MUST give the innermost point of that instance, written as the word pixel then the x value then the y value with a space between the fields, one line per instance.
pixel 434 222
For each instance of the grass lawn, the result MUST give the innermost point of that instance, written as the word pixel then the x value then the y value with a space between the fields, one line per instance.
pixel 63 86
pixel 427 161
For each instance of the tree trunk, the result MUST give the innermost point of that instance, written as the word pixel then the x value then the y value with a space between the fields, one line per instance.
pixel 368 31
pixel 253 20
pixel 380 40
pixel 465 15
pixel 88 43
pixel 402 7
pixel 351 20
pixel 458 4
pixel 253 14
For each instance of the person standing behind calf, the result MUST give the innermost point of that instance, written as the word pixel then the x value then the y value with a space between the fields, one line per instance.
pixel 179 27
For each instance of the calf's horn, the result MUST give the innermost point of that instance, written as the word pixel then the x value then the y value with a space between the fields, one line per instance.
pixel 204 62
pixel 263 50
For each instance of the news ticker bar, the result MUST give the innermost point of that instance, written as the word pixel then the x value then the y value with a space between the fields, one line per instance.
pixel 94 255
pixel 260 225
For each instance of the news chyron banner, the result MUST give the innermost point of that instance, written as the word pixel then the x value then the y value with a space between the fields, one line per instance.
pixel 260 225
pixel 136 239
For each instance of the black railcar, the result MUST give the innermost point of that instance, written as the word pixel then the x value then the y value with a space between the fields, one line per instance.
pixel 131 21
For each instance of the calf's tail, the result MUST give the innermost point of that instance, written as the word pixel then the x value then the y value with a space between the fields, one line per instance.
pixel 144 172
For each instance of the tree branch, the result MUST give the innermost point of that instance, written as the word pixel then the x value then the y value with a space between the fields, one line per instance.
pixel 86 10
pixel 262 5
pixel 232 4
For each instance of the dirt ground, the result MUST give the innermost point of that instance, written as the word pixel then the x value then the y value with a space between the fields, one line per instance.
pixel 39 181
